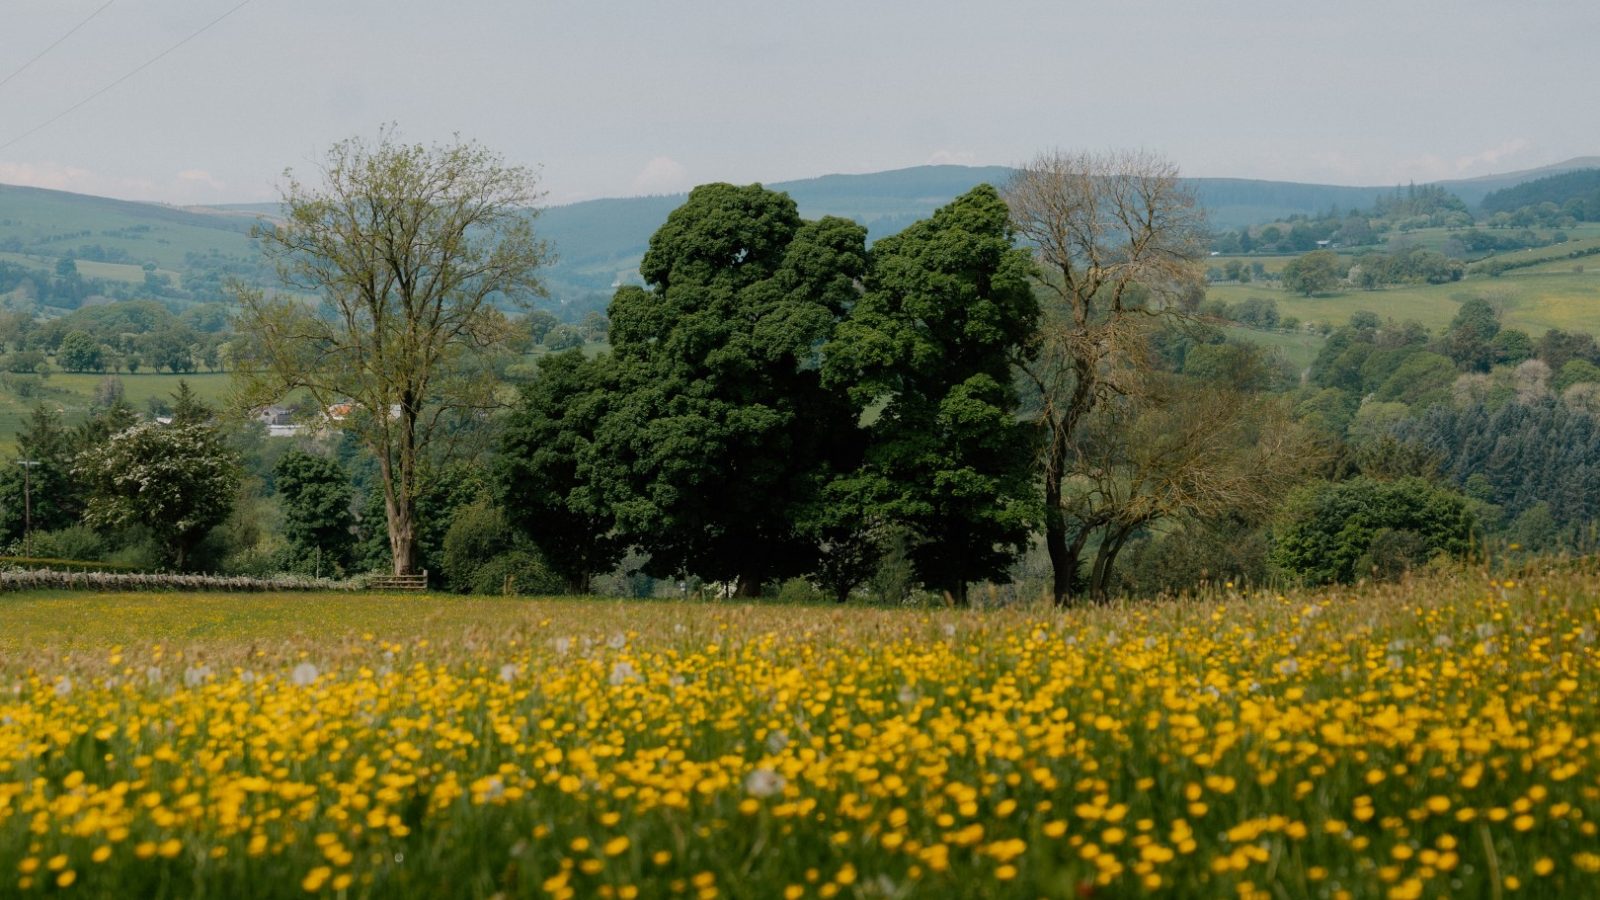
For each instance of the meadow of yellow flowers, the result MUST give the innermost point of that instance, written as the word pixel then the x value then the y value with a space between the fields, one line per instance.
pixel 1438 739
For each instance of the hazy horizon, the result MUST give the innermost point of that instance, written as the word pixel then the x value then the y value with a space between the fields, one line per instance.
pixel 636 99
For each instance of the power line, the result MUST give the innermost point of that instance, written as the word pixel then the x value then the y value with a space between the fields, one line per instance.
pixel 41 53
pixel 147 64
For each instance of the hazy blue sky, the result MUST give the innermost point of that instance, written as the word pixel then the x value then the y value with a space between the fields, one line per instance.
pixel 620 98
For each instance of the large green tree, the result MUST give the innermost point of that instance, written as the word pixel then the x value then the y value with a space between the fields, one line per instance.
pixel 929 346
pixel 720 435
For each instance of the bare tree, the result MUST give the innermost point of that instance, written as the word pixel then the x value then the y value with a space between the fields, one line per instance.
pixel 409 249
pixel 1117 239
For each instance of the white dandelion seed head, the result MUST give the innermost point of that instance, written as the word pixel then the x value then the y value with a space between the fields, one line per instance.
pixel 623 672
pixel 508 672
pixel 63 686
pixel 303 674
pixel 763 783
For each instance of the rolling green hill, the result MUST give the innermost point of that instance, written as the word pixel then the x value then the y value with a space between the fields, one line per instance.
pixel 599 242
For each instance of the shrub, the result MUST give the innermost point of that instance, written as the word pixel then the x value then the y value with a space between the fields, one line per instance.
pixel 1328 531
pixel 73 542
pixel 483 556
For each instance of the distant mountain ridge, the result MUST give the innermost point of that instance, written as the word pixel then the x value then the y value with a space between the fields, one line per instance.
pixel 601 241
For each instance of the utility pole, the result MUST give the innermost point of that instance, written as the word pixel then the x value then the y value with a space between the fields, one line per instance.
pixel 27 504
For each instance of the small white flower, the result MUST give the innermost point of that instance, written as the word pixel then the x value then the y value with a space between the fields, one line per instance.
pixel 676 680
pixel 1150 642
pixel 152 674
pixel 617 641
pixel 907 695
pixel 247 677
pixel 763 783
pixel 1289 666
pixel 303 674
pixel 508 672
pixel 1485 630
pixel 562 645
pixel 1443 640
pixel 949 630
pixel 1396 662
pixel 194 676
pixel 495 789
pixel 63 686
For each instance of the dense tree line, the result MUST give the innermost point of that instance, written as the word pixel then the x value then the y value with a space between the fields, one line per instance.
pixel 1570 195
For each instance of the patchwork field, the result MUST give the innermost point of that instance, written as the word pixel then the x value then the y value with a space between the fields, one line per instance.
pixel 1424 740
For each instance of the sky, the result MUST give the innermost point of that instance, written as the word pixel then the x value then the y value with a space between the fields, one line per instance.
pixel 612 98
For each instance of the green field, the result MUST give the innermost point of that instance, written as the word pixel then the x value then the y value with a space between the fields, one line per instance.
pixel 1430 739
pixel 1299 348
pixel 72 393
pixel 1559 293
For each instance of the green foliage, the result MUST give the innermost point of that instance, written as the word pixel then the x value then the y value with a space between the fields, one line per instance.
pixel 482 555
pixel 315 494
pixel 1469 339
pixel 1421 377
pixel 179 481
pixel 1191 557
pixel 1575 371
pixel 551 476
pixel 1313 273
pixel 719 435
pixel 1327 529
pixel 48 486
pixel 79 353
pixel 74 542
pixel 947 304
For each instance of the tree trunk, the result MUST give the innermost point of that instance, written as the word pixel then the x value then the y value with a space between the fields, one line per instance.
pixel 402 536
pixel 1062 561
pixel 580 584
pixel 748 587
pixel 1106 559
